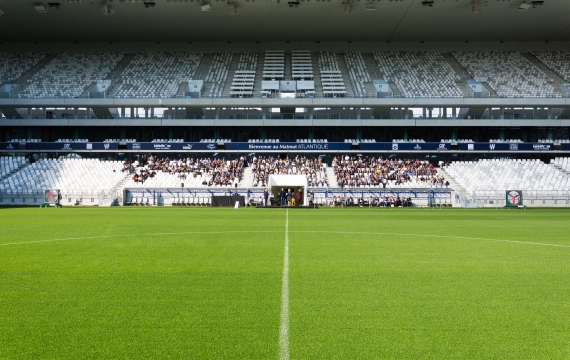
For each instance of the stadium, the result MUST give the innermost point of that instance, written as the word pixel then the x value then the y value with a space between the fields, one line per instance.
pixel 270 179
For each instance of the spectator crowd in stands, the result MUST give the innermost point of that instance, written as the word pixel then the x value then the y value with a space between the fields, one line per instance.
pixel 371 171
pixel 214 172
pixel 127 166
pixel 263 166
pixel 383 201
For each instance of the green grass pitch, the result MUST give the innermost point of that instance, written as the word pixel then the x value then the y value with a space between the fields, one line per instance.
pixel 206 283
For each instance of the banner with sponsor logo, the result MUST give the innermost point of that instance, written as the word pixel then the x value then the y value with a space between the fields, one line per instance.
pixel 405 146
pixel 288 146
pixel 166 146
pixel 9 146
pixel 71 146
pixel 513 198
pixel 506 147
pixel 565 147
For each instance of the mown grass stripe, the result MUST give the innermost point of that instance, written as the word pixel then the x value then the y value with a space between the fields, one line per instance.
pixel 284 325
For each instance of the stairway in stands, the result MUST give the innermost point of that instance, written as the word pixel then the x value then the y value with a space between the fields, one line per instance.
pixel 231 72
pixel 459 71
pixel 452 183
pixel 23 80
pixel 374 73
pixel 247 180
pixel 558 82
pixel 258 76
pixel 317 75
pixel 559 168
pixel 287 71
pixel 331 177
pixel 344 71
pixel 117 72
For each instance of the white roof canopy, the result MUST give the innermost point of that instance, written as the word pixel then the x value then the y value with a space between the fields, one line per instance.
pixel 289 182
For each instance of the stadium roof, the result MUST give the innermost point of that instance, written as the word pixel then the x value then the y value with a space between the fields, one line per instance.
pixel 286 20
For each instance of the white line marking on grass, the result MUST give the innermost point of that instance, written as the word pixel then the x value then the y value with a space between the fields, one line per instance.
pixel 145 234
pixel 435 236
pixel 284 325
pixel 270 231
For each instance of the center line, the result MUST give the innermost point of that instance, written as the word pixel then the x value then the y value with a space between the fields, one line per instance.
pixel 284 326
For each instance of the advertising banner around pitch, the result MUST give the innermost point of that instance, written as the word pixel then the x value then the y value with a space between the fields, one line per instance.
pixel 513 198
pixel 405 146
pixel 565 147
pixel 9 146
pixel 166 146
pixel 288 146
pixel 506 146
pixel 71 146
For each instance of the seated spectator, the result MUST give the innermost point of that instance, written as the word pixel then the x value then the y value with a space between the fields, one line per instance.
pixel 214 172
pixel 370 171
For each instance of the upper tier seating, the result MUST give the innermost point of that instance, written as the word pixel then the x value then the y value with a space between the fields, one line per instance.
pixel 244 76
pixel 357 72
pixel 422 74
pixel 509 73
pixel 157 74
pixel 301 65
pixel 557 61
pixel 66 174
pixel 69 74
pixel 13 65
pixel 331 76
pixel 507 174
pixel 274 65
pixel 218 73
